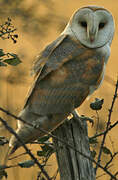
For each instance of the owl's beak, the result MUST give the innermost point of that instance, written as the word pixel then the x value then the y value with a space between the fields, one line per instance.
pixel 92 29
pixel 92 38
pixel 92 34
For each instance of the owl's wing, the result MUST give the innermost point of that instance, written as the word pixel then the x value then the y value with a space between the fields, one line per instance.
pixel 44 56
pixel 38 70
pixel 55 89
pixel 55 55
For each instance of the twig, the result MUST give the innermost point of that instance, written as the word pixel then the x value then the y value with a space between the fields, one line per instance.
pixel 115 175
pixel 107 126
pixel 112 144
pixel 97 126
pixel 7 167
pixel 65 143
pixel 102 133
pixel 18 118
pixel 112 157
pixel 18 156
pixel 55 175
pixel 101 175
pixel 25 147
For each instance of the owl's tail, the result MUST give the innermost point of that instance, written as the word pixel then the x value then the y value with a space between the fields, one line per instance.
pixel 41 126
pixel 26 135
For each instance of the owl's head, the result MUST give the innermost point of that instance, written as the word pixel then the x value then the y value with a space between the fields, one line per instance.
pixel 93 26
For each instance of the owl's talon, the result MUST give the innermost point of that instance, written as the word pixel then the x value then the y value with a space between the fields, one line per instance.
pixel 36 125
pixel 76 116
pixel 85 118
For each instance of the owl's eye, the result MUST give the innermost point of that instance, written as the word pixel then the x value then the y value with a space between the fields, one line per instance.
pixel 83 24
pixel 101 25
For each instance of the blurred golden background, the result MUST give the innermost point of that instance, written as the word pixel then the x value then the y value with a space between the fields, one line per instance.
pixel 38 23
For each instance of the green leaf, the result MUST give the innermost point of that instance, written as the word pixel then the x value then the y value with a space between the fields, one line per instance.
pixel 93 153
pixel 26 164
pixel 2 64
pixel 13 55
pixel 97 104
pixel 46 148
pixel 43 139
pixel 1 53
pixel 106 150
pixel 2 167
pixel 3 173
pixel 93 140
pixel 2 137
pixel 3 141
pixel 13 61
pixel 41 153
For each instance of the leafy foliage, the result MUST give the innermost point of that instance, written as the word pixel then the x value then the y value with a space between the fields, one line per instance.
pixel 93 154
pixel 106 150
pixel 93 140
pixel 26 164
pixel 97 104
pixel 9 59
pixel 3 173
pixel 47 150
pixel 3 141
pixel 42 140
pixel 7 31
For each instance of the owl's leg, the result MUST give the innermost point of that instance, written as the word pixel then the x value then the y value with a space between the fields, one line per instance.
pixel 75 114
pixel 79 118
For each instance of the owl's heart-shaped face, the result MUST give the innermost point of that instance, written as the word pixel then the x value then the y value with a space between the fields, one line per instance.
pixel 92 26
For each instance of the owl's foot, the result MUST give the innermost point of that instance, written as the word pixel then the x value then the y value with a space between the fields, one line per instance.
pixel 79 118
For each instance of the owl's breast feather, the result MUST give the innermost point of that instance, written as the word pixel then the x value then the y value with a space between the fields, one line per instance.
pixel 105 52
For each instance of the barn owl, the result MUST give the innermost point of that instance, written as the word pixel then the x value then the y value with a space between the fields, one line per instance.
pixel 66 72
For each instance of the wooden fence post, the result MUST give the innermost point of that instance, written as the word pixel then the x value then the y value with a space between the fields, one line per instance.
pixel 72 165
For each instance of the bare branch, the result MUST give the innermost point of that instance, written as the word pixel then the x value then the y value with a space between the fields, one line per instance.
pixel 65 143
pixel 112 157
pixel 101 134
pixel 25 147
pixel 107 126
